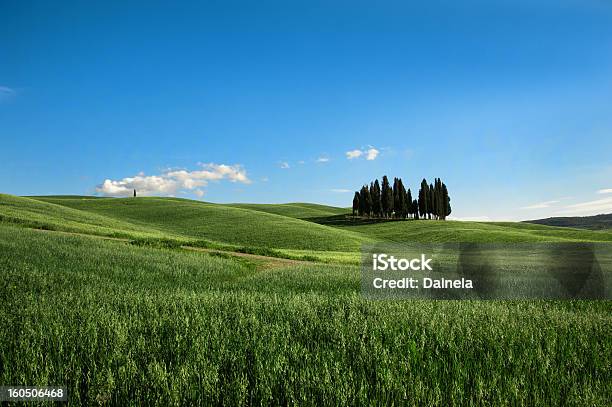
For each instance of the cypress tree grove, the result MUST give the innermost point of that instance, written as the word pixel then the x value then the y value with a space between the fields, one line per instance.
pixel 432 202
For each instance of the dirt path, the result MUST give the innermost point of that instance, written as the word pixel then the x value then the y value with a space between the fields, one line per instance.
pixel 266 262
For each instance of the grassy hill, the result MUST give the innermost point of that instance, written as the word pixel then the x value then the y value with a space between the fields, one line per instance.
pixel 597 222
pixel 220 223
pixel 38 214
pixel 426 231
pixel 298 230
pixel 296 210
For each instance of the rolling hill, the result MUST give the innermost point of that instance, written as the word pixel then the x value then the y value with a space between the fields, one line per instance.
pixel 220 223
pixel 294 230
pixel 597 222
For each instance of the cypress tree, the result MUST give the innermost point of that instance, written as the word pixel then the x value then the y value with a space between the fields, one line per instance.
pixel 362 202
pixel 415 209
pixel 356 203
pixel 386 197
pixel 430 206
pixel 446 201
pixel 368 202
pixel 396 202
pixel 424 198
pixel 409 203
pixel 401 208
pixel 376 199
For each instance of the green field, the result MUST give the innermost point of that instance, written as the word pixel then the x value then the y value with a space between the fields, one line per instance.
pixel 88 304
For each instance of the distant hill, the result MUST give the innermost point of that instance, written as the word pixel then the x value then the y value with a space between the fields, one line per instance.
pixel 597 222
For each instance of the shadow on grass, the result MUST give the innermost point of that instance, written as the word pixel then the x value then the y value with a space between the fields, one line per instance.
pixel 349 220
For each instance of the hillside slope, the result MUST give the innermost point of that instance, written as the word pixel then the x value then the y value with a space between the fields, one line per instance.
pixel 221 223
pixel 296 210
pixel 38 214
pixel 426 231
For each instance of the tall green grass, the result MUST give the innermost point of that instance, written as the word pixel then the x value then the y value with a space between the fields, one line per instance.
pixel 128 325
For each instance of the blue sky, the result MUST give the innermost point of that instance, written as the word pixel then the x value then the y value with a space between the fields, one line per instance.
pixel 508 102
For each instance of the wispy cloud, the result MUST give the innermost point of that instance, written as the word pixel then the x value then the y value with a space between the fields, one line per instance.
pixel 340 190
pixel 284 165
pixel 301 162
pixel 6 93
pixel 353 154
pixel 370 153
pixel 595 207
pixel 322 159
pixel 541 205
pixel 171 181
pixel 605 191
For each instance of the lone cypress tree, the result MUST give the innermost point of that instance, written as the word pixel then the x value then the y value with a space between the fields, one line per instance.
pixel 356 203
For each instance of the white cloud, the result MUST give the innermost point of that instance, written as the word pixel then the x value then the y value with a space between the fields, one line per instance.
pixel 172 181
pixel 284 165
pixel 541 205
pixel 354 154
pixel 340 190
pixel 264 179
pixel 301 162
pixel 595 207
pixel 371 154
pixel 322 159
pixel 605 191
